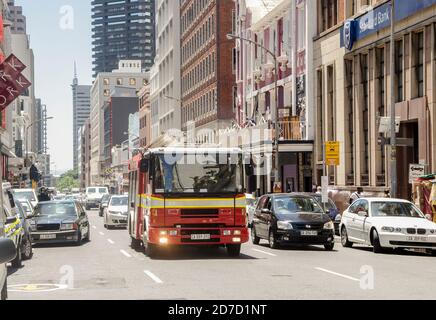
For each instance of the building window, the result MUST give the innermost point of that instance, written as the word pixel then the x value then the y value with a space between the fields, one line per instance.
pixel 381 99
pixel 349 114
pixel 419 58
pixel 106 92
pixel 119 81
pixel 399 69
pixel 106 81
pixel 328 14
pixel 132 81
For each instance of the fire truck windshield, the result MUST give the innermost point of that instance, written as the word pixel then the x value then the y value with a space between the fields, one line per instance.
pixel 198 173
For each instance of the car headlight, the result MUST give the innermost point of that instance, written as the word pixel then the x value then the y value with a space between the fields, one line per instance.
pixel 284 225
pixel 388 229
pixel 338 218
pixel 68 226
pixel 32 226
pixel 329 225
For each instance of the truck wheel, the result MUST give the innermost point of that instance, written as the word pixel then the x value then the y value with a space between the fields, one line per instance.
pixel 233 250
pixel 150 250
pixel 4 292
pixel 135 244
pixel 17 262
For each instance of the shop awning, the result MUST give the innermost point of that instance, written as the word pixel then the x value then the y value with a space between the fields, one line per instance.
pixel 296 146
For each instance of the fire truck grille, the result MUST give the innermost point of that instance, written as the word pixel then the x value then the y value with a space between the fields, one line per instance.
pixel 200 231
pixel 199 213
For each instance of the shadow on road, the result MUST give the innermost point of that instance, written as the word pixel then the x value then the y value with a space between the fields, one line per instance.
pixel 296 247
pixel 198 253
pixel 396 252
pixel 60 245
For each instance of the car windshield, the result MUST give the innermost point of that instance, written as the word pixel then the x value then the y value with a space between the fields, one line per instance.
pixel 191 173
pixel 105 198
pixel 290 205
pixel 92 190
pixel 25 195
pixel 25 206
pixel 122 201
pixel 53 209
pixel 395 209
pixel 102 190
pixel 329 205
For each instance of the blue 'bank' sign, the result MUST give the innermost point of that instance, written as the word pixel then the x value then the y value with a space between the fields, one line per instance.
pixel 378 19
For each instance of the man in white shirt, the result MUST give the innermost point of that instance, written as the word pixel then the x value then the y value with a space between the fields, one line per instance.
pixel 356 195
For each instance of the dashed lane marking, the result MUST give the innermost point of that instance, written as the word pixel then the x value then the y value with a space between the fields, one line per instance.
pixel 94 227
pixel 338 274
pixel 110 241
pixel 125 253
pixel 264 252
pixel 153 276
pixel 101 233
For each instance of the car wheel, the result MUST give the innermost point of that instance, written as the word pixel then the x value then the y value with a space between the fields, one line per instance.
pixel 233 250
pixel 88 236
pixel 329 246
pixel 27 251
pixel 100 213
pixel 272 241
pixel 254 238
pixel 135 244
pixel 4 292
pixel 79 238
pixel 17 262
pixel 377 248
pixel 87 208
pixel 344 238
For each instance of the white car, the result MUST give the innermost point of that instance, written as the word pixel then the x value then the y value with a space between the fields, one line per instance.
pixel 116 213
pixel 94 195
pixel 387 223
pixel 26 194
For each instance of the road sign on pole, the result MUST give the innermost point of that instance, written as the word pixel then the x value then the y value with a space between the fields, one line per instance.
pixel 332 149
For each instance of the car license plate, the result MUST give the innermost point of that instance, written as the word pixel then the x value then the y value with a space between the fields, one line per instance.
pixel 47 236
pixel 123 221
pixel 200 236
pixel 309 233
pixel 420 239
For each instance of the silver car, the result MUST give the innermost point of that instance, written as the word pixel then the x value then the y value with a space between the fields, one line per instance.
pixel 115 215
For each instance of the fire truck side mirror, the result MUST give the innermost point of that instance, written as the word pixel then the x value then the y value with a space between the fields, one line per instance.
pixel 144 165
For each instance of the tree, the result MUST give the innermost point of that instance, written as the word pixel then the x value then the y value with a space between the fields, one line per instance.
pixel 69 180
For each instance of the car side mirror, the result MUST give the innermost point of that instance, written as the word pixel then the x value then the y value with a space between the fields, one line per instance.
pixel 11 220
pixel 265 211
pixel 362 213
pixel 7 250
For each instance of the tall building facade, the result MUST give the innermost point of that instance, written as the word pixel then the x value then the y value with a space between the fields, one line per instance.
pixel 144 116
pixel 81 111
pixel 166 91
pixel 352 90
pixel 122 29
pixel 18 20
pixel 128 75
pixel 207 73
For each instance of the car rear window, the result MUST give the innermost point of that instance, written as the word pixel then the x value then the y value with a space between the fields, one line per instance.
pixel 102 190
pixel 91 190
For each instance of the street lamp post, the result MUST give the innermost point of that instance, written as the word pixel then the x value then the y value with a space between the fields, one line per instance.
pixel 393 116
pixel 277 173
pixel 27 136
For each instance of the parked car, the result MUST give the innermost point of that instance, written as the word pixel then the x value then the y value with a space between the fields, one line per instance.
pixel 94 196
pixel 387 223
pixel 7 254
pixel 292 219
pixel 250 208
pixel 104 204
pixel 116 213
pixel 60 221
pixel 25 218
pixel 27 206
pixel 26 194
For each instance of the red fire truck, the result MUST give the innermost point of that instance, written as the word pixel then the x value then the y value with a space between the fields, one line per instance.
pixel 187 196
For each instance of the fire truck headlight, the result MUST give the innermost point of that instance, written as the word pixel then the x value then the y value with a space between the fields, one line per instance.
pixel 236 239
pixel 227 233
pixel 163 233
pixel 163 240
pixel 237 232
pixel 173 233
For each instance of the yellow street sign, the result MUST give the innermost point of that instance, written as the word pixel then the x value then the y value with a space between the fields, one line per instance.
pixel 332 155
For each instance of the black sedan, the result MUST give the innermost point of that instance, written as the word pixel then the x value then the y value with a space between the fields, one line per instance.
pixel 60 221
pixel 292 219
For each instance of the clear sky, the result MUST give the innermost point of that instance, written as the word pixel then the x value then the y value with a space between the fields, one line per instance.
pixel 60 33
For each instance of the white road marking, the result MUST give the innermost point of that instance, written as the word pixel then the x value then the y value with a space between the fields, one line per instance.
pixel 125 253
pixel 94 227
pixel 153 277
pixel 338 274
pixel 110 241
pixel 101 233
pixel 270 254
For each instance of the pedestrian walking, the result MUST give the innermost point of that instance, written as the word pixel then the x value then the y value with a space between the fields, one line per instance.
pixel 356 195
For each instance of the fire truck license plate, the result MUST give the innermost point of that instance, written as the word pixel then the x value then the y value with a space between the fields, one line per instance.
pixel 200 236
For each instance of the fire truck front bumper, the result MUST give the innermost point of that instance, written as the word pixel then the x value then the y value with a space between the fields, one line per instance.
pixel 198 236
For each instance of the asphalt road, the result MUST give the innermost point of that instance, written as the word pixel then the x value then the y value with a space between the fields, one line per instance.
pixel 107 268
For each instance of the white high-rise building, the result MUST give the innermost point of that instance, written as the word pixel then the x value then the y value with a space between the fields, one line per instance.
pixel 165 88
pixel 81 111
pixel 104 84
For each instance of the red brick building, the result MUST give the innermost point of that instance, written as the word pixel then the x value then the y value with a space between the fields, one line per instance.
pixel 207 66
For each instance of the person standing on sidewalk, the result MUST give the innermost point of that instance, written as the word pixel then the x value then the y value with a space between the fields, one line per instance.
pixel 356 195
